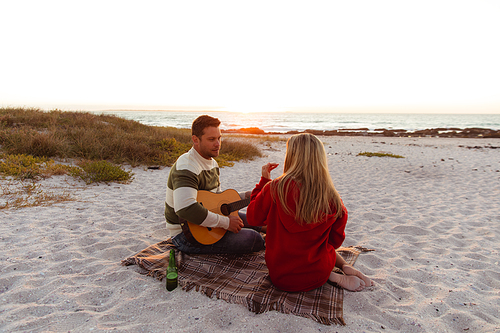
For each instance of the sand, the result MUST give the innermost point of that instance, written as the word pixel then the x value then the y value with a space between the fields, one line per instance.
pixel 432 218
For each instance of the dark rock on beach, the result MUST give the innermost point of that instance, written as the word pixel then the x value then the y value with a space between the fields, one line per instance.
pixel 431 132
pixel 249 130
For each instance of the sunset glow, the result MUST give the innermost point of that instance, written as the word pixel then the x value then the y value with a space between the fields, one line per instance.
pixel 393 56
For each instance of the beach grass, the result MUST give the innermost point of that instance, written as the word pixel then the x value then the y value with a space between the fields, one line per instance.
pixel 86 136
pixel 368 154
pixel 27 167
pixel 30 194
pixel 89 147
pixel 24 171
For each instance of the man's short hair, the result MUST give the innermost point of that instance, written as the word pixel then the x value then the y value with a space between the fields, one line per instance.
pixel 202 122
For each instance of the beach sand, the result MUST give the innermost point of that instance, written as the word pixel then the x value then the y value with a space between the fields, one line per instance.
pixel 432 218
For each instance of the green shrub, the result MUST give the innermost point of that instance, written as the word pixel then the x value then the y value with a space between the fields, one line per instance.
pixel 22 166
pixel 172 149
pixel 101 171
pixel 30 167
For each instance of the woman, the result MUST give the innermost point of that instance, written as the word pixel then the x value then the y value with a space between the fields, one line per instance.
pixel 305 220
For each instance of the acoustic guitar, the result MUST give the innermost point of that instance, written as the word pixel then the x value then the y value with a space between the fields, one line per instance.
pixel 225 203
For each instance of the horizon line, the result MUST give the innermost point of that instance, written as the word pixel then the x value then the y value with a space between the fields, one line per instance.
pixel 341 110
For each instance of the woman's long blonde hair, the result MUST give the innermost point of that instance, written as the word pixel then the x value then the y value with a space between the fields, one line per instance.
pixel 306 164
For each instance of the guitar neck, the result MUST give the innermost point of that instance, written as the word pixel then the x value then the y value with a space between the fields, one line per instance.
pixel 240 204
pixel 227 209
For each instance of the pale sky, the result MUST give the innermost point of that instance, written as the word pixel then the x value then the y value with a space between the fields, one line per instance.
pixel 366 55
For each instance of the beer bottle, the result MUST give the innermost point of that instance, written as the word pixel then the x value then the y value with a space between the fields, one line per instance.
pixel 171 272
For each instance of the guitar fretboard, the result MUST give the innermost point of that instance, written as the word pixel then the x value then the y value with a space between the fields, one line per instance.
pixel 227 209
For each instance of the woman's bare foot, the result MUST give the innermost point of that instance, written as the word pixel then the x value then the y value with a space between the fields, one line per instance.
pixel 349 270
pixel 349 282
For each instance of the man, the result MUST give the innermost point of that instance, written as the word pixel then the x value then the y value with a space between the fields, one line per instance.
pixel 197 170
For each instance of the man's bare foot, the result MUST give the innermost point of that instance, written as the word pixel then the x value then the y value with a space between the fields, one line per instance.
pixel 349 270
pixel 349 282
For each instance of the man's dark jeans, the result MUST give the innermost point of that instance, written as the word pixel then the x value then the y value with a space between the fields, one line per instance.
pixel 248 240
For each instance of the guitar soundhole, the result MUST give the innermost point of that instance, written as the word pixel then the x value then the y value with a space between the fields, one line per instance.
pixel 224 209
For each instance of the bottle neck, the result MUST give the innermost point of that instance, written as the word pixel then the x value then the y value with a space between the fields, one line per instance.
pixel 171 261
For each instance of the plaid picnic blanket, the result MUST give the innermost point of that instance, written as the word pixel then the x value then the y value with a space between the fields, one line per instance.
pixel 244 279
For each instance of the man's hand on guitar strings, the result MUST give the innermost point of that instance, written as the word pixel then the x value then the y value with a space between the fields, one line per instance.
pixel 235 224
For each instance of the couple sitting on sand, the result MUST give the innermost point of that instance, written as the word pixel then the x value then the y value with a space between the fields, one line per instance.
pixel 300 211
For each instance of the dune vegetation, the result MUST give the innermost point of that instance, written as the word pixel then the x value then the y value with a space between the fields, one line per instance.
pixel 35 144
pixel 82 135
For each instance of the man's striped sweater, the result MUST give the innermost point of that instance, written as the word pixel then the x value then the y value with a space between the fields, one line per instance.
pixel 190 174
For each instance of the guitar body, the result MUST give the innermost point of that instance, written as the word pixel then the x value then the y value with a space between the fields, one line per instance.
pixel 214 202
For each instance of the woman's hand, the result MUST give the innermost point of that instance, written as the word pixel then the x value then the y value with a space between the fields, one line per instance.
pixel 266 170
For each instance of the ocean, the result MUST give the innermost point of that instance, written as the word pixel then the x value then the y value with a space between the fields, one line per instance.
pixel 290 121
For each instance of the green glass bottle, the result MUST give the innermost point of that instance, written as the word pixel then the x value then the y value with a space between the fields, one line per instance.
pixel 171 272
